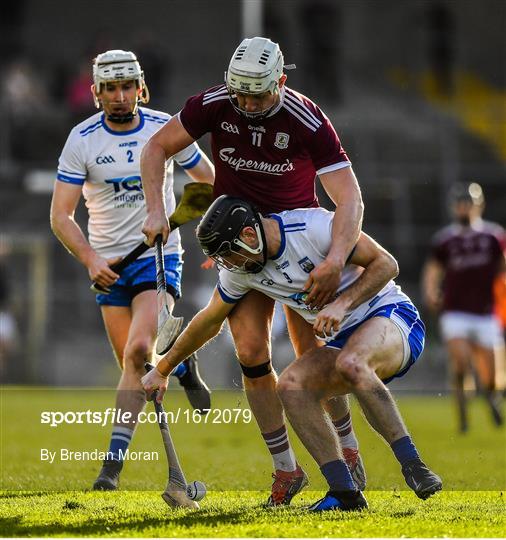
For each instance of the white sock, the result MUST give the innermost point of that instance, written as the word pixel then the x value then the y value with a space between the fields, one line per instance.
pixel 345 431
pixel 280 449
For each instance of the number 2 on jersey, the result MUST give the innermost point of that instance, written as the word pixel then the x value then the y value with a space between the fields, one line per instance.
pixel 257 138
pixel 130 156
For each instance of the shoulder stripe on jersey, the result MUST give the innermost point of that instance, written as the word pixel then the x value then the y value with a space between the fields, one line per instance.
pixel 89 127
pixel 295 230
pixel 219 98
pixel 301 105
pixel 303 110
pixel 286 225
pixel 100 126
pixel 69 179
pixel 154 118
pixel 288 107
pixel 220 90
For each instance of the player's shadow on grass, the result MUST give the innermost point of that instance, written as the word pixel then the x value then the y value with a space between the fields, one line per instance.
pixel 14 527
pixel 20 494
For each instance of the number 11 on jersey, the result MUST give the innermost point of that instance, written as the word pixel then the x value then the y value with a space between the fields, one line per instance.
pixel 257 138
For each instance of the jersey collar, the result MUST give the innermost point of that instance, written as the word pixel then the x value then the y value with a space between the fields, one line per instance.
pixel 123 133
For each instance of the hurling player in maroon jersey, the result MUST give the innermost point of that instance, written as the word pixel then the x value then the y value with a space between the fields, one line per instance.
pixel 269 143
pixel 458 281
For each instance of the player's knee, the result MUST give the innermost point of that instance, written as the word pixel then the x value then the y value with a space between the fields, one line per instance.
pixel 250 353
pixel 352 370
pixel 296 378
pixel 137 352
pixel 291 380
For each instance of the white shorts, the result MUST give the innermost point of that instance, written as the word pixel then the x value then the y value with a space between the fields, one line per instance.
pixel 483 330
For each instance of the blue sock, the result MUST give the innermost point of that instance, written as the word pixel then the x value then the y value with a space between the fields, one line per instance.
pixel 338 476
pixel 120 439
pixel 180 370
pixel 404 450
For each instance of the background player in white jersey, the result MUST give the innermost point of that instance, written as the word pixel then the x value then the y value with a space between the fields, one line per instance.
pixel 372 331
pixel 100 160
pixel 269 142
pixel 458 281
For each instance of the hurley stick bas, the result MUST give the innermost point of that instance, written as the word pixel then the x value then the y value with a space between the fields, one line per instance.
pixel 175 493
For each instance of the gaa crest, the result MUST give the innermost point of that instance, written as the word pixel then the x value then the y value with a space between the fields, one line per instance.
pixel 281 140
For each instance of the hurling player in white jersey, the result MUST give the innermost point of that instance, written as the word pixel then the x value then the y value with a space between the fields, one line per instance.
pixel 100 161
pixel 269 143
pixel 372 331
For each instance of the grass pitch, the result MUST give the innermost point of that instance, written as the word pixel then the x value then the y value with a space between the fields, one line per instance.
pixel 43 499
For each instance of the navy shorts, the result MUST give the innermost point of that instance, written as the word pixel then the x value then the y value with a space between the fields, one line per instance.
pixel 406 317
pixel 141 276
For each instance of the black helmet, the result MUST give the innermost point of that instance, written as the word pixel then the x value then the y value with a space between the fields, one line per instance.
pixel 219 230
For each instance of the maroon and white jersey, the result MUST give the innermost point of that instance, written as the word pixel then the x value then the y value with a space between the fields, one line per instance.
pixel 471 257
pixel 272 162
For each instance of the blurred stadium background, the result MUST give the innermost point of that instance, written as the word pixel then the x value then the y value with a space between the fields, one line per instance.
pixel 416 90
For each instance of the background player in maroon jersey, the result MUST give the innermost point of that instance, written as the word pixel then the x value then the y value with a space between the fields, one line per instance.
pixel 458 281
pixel 268 143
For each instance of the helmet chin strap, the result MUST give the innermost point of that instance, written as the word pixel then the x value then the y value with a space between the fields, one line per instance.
pixel 255 116
pixel 124 118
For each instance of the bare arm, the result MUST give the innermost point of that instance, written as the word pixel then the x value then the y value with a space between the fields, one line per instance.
pixel 380 267
pixel 201 329
pixel 342 187
pixel 63 206
pixel 166 142
pixel 432 277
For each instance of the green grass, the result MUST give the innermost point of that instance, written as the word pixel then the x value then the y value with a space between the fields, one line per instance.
pixel 42 499
pixel 239 514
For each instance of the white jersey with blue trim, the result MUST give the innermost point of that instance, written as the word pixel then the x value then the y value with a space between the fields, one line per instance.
pixel 107 164
pixel 305 242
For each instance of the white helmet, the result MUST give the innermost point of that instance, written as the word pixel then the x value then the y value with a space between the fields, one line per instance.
pixel 118 65
pixel 255 67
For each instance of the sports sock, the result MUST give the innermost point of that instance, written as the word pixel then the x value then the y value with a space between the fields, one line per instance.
pixel 344 429
pixel 132 401
pixel 280 449
pixel 120 439
pixel 338 476
pixel 404 450
pixel 180 370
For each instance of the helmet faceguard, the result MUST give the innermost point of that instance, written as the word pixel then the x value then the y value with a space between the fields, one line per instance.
pixel 117 66
pixel 219 235
pixel 255 68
